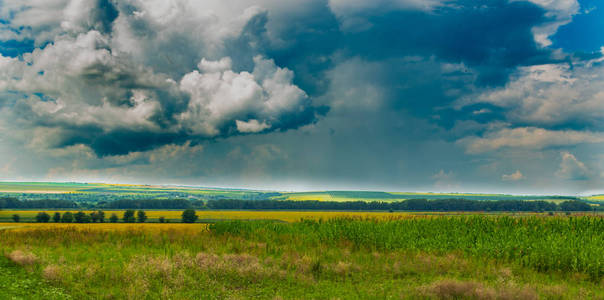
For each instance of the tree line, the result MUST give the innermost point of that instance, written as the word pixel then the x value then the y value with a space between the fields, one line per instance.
pixel 129 216
pixel 405 205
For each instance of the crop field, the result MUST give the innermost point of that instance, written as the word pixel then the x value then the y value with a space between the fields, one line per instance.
pixel 446 257
pixel 28 216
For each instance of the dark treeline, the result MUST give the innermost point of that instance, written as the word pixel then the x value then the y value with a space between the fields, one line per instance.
pixel 15 203
pixel 406 205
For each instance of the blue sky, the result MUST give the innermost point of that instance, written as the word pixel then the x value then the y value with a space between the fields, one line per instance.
pixel 401 95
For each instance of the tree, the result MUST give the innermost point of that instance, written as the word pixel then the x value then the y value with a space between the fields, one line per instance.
pixel 129 216
pixel 162 220
pixel 101 216
pixel 16 218
pixel 67 217
pixel 42 217
pixel 56 217
pixel 141 216
pixel 93 217
pixel 575 205
pixel 113 218
pixel 81 217
pixel 189 216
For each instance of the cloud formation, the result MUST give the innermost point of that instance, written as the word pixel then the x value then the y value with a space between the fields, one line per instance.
pixel 379 93
pixel 94 80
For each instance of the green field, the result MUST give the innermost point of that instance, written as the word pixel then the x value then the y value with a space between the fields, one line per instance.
pixel 95 192
pixel 477 257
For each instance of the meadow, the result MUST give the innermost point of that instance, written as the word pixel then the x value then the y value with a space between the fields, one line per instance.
pixel 343 257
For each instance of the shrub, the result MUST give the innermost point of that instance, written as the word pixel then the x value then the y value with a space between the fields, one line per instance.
pixel 42 217
pixel 162 220
pixel 16 218
pixel 189 216
pixel 22 258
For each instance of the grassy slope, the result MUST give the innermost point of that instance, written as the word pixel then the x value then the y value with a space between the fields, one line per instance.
pixel 291 261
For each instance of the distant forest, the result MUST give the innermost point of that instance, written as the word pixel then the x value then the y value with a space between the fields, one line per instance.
pixel 405 205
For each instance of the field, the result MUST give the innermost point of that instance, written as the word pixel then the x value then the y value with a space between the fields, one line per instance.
pixel 94 192
pixel 210 216
pixel 480 257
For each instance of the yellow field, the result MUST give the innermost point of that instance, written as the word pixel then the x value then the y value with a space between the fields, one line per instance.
pixel 288 216
pixel 106 226
pixel 597 198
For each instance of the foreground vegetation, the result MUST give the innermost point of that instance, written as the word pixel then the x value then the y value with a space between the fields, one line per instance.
pixel 482 257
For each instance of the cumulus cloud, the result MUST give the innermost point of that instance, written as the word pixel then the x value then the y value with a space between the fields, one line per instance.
pixel 256 101
pixel 513 177
pixel 573 169
pixel 120 78
pixel 551 95
pixel 528 138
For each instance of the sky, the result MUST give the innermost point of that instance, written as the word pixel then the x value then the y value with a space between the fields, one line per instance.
pixel 499 96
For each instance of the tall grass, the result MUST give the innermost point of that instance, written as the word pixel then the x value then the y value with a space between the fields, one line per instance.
pixel 572 244
pixel 346 258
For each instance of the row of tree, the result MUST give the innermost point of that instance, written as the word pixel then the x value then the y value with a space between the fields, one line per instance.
pixel 406 205
pixel 129 216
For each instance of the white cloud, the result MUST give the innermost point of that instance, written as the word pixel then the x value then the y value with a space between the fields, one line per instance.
pixel 251 126
pixel 222 96
pixel 573 169
pixel 551 94
pixel 560 12
pixel 531 138
pixel 137 73
pixel 513 177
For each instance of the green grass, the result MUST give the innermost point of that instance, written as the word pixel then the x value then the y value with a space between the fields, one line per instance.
pixel 18 283
pixel 444 257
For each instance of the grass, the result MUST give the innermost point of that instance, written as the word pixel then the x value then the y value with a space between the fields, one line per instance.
pixel 460 257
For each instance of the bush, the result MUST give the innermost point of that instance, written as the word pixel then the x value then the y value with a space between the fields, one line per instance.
pixel 16 218
pixel 129 216
pixel 141 216
pixel 162 220
pixel 42 217
pixel 189 216
pixel 113 218
pixel 56 217
pixel 67 217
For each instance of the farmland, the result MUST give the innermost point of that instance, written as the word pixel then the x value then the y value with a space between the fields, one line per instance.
pixel 382 245
pixel 475 256
pixel 95 192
